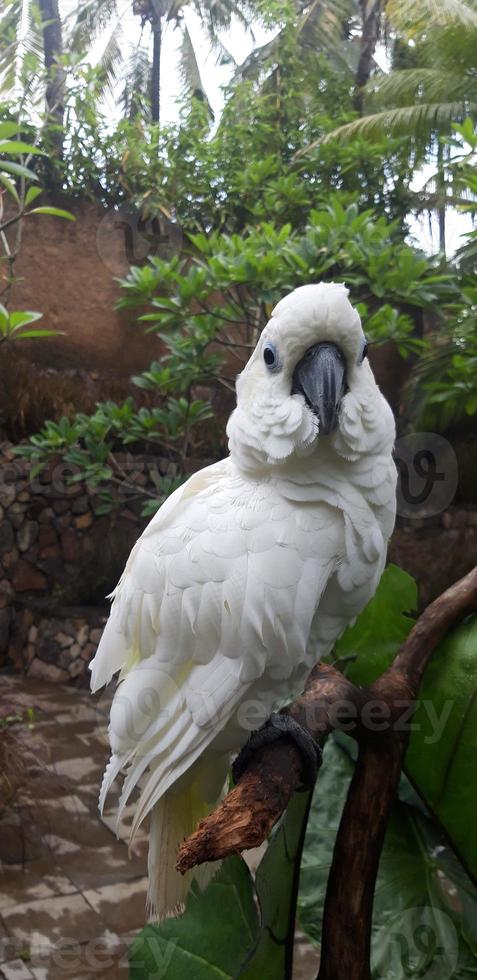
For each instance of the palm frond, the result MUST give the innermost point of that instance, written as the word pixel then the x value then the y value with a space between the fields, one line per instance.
pixel 218 15
pixel 135 97
pixel 410 16
pixel 88 20
pixel 189 69
pixel 111 57
pixel 319 28
pixel 21 49
pixel 413 121
pixel 400 88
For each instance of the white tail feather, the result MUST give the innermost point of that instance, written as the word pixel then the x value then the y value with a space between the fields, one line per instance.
pixel 173 818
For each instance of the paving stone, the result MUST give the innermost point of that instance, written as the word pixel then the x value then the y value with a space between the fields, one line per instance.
pixel 47 922
pixel 95 867
pixel 30 881
pixel 15 970
pixel 122 905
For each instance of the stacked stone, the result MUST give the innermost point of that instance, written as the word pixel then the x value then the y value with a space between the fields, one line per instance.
pixel 52 534
pixel 56 647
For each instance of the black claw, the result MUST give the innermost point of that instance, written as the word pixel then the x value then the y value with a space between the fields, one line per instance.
pixel 281 726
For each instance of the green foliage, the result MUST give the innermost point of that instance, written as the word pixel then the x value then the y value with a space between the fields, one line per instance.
pixel 425 907
pixel 212 938
pixel 419 887
pixel 231 282
pixel 224 931
pixel 13 324
pixel 443 387
pixel 444 728
pixel 381 628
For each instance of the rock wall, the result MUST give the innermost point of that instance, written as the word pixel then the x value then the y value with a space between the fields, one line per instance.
pixel 60 555
pixel 55 646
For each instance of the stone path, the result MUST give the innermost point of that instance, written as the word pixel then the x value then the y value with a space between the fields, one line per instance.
pixel 70 898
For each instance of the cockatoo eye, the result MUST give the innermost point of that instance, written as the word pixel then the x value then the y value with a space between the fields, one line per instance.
pixel 270 356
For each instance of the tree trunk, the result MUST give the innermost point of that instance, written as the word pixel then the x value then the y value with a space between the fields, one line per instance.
pixel 55 85
pixel 156 70
pixel 441 208
pixel 371 13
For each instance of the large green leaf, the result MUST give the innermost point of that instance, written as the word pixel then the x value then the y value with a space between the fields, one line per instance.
pixel 211 939
pixel 442 751
pixel 417 930
pixel 443 743
pixel 277 887
pixel 220 934
pixel 374 640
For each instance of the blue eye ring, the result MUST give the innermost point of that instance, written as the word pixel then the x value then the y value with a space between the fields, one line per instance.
pixel 270 356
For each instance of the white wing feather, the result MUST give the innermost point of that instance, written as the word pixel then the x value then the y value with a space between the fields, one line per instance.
pixel 220 590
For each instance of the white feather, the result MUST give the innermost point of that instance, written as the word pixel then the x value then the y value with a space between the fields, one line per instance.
pixel 245 577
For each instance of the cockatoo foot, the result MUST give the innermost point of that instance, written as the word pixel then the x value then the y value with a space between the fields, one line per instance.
pixel 281 726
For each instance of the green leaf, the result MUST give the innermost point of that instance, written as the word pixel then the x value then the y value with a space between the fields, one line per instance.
pixel 381 628
pixel 8 129
pixel 41 332
pixel 10 187
pixel 17 146
pixel 415 924
pixel 443 746
pixel 276 882
pixel 57 212
pixel 443 743
pixel 31 195
pixel 18 169
pixel 19 318
pixel 210 940
pixel 327 804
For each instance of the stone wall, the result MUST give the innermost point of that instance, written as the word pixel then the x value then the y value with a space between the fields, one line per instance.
pixel 59 558
pixel 55 646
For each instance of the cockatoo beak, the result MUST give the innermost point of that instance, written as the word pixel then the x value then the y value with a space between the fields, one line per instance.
pixel 321 377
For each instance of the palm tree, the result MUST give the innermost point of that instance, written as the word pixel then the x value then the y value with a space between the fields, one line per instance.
pixel 55 76
pixel 31 69
pixel 440 88
pixel 423 100
pixel 159 15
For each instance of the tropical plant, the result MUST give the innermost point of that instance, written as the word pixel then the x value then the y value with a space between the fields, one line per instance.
pixel 431 86
pixel 208 307
pixel 19 192
pixel 443 387
pixel 94 16
pixel 425 903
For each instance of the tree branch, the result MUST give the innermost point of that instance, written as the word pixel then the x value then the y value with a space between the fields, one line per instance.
pixel 330 701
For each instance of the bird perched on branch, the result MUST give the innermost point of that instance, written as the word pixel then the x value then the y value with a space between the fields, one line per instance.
pixel 248 573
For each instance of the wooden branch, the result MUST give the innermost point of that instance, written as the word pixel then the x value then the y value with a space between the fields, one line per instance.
pixel 329 701
pixel 348 910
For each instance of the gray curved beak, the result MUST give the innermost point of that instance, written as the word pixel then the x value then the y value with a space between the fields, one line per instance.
pixel 321 377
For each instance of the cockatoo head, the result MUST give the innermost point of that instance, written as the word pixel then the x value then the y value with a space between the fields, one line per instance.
pixel 309 381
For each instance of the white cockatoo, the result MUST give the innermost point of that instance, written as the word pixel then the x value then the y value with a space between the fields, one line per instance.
pixel 249 572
